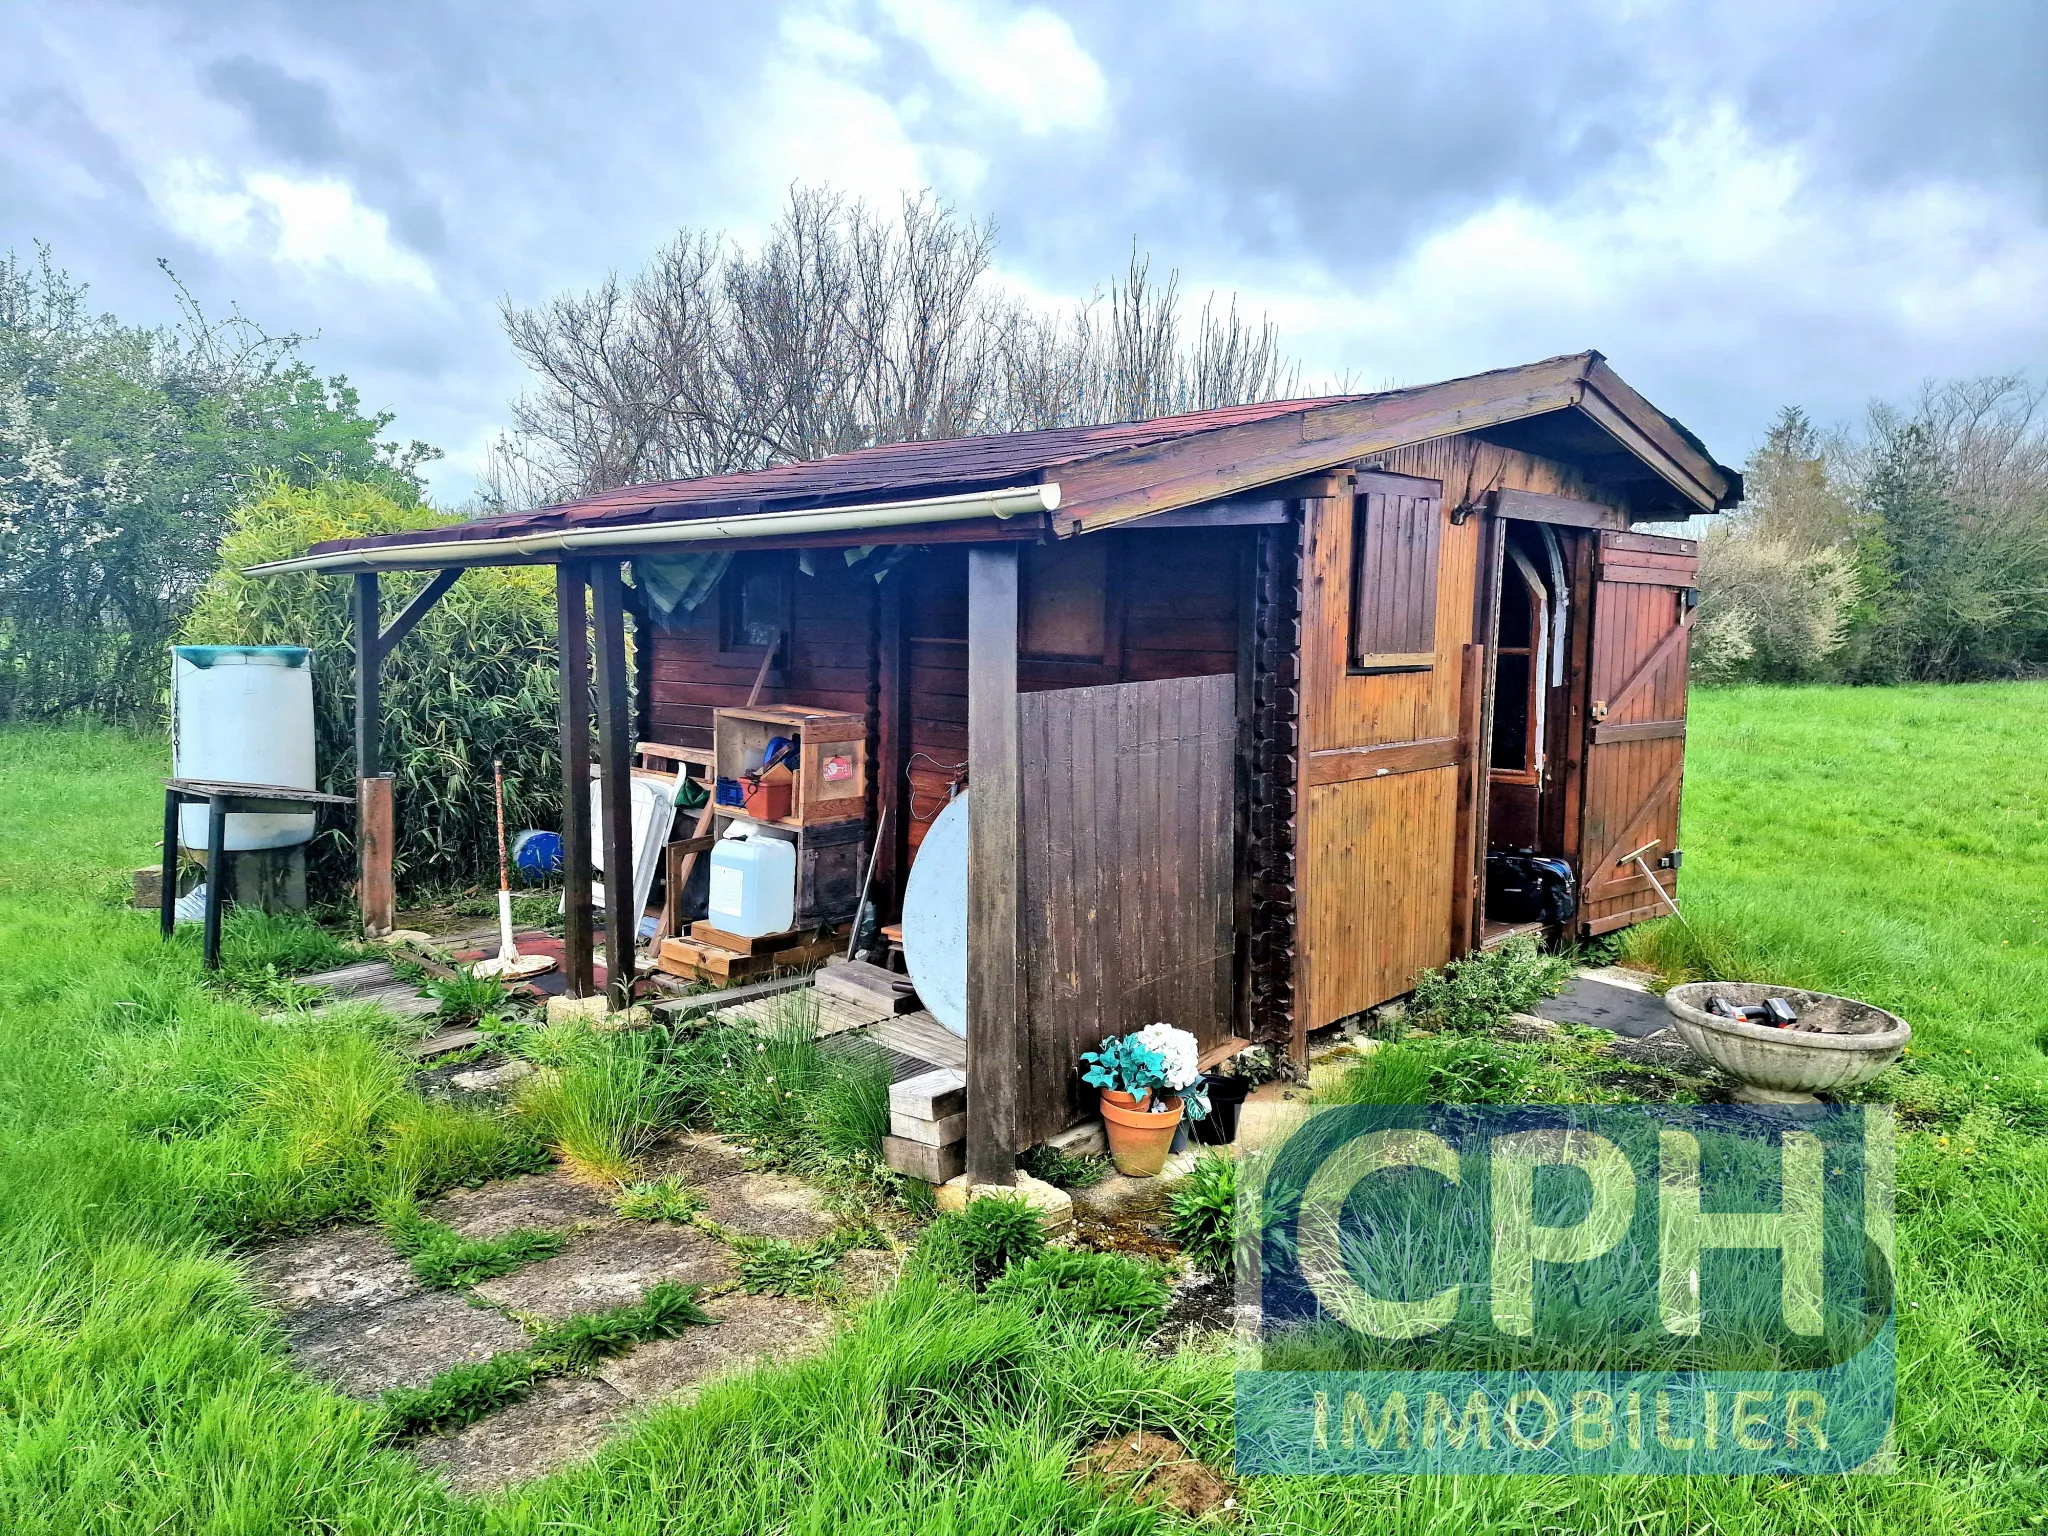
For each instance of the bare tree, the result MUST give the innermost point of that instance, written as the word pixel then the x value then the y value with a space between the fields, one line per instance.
pixel 842 330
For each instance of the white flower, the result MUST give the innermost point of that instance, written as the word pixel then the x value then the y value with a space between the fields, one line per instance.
pixel 1177 1048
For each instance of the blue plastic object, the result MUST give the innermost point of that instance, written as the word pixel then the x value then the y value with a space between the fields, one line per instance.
pixel 537 854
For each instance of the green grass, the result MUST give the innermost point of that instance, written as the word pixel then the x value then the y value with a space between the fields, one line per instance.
pixel 1888 844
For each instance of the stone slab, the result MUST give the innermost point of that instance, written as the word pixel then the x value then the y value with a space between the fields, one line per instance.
pixel 767 1205
pixel 404 1343
pixel 1625 1010
pixel 319 1279
pixel 612 1267
pixel 696 1160
pixel 1272 1113
pixel 1055 1206
pixel 562 1421
pixel 749 1330
pixel 550 1201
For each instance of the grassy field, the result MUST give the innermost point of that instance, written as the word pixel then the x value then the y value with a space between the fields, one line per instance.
pixel 1888 844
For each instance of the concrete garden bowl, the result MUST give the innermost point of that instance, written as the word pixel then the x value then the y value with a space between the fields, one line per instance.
pixel 1836 1044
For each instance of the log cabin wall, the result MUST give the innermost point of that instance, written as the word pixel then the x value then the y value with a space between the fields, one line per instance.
pixel 1170 609
pixel 895 651
pixel 1377 837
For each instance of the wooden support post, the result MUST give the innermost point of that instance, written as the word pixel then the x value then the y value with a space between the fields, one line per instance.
pixel 1466 865
pixel 1493 544
pixel 167 898
pixel 573 639
pixel 995 876
pixel 376 836
pixel 376 830
pixel 216 876
pixel 614 757
pixel 890 752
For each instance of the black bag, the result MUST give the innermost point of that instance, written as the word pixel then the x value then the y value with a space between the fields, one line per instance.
pixel 1524 887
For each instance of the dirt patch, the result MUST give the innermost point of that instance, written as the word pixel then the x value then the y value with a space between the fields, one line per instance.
pixel 1202 1304
pixel 1134 1225
pixel 1160 1471
pixel 696 1160
pixel 563 1420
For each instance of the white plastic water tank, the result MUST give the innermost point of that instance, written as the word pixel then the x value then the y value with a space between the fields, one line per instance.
pixel 753 882
pixel 243 714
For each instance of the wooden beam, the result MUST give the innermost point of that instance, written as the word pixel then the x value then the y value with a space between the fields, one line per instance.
pixel 415 610
pixel 1340 765
pixel 615 771
pixel 1465 865
pixel 1250 512
pixel 1486 620
pixel 1563 511
pixel 573 642
pixel 995 875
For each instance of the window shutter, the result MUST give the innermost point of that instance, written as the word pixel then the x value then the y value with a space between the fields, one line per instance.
pixel 1397 532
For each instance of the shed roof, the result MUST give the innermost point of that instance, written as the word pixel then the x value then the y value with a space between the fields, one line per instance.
pixel 1571 407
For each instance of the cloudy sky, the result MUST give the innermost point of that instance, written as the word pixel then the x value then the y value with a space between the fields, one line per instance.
pixel 1742 204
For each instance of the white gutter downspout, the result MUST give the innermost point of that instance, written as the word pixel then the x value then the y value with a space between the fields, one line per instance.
pixel 1014 502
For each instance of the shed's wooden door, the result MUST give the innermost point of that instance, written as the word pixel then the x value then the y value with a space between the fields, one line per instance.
pixel 1635 731
pixel 1128 794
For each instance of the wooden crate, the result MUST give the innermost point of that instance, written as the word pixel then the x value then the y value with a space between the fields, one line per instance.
pixel 832 775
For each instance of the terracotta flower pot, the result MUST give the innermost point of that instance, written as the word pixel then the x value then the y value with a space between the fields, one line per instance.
pixel 1138 1138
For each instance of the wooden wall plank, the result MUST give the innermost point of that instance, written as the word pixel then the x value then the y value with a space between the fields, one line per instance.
pixel 1128 873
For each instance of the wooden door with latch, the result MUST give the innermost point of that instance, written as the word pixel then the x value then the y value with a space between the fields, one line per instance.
pixel 1645 593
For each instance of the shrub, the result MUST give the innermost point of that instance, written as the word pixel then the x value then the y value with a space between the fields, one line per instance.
pixel 976 1245
pixel 1202 1214
pixel 1087 1287
pixel 475 681
pixel 1480 991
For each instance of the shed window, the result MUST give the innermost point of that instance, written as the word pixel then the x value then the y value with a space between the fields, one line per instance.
pixel 756 601
pixel 1397 525
pixel 1065 600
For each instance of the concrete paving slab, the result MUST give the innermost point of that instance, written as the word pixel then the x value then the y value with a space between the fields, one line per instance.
pixel 319 1279
pixel 750 1329
pixel 562 1421
pixel 1626 1010
pixel 551 1200
pixel 404 1343
pixel 612 1267
pixel 767 1205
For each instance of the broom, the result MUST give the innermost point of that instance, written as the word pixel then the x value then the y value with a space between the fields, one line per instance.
pixel 510 964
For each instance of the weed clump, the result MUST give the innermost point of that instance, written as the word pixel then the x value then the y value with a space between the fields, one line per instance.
pixel 604 1106
pixel 769 1266
pixel 660 1200
pixel 1202 1214
pixel 1084 1287
pixel 662 1313
pixel 1068 1170
pixel 974 1246
pixel 1472 995
pixel 448 1261
pixel 458 1396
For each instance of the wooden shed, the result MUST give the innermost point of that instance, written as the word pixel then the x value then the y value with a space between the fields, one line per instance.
pixel 1246 696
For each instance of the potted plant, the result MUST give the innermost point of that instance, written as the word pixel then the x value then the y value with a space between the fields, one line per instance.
pixel 1228 1087
pixel 1137 1075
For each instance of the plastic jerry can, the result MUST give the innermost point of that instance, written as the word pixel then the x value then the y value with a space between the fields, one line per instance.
pixel 753 883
